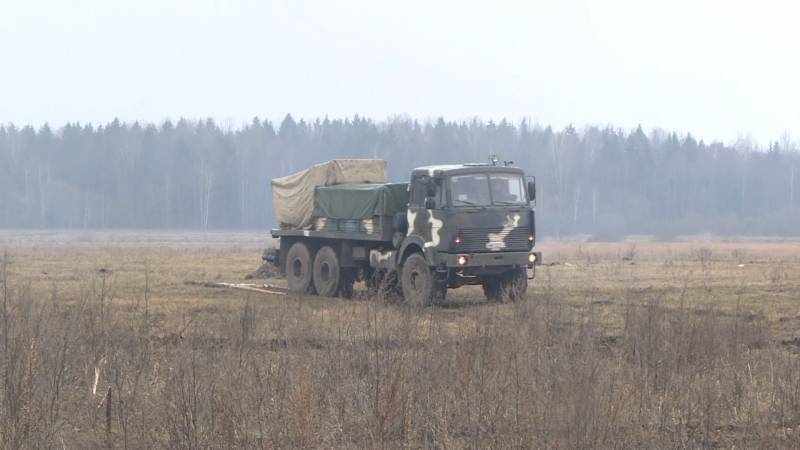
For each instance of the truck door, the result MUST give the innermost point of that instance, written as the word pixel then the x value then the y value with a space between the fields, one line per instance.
pixel 422 220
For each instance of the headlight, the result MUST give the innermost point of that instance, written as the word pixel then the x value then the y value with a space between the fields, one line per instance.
pixel 458 239
pixel 531 258
pixel 530 238
pixel 462 260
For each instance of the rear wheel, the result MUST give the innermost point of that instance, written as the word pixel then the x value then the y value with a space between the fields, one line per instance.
pixel 298 269
pixel 417 281
pixel 327 272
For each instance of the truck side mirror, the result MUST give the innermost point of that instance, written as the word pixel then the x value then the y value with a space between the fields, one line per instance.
pixel 430 188
pixel 430 203
pixel 532 191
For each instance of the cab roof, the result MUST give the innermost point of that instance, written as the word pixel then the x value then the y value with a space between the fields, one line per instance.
pixel 447 169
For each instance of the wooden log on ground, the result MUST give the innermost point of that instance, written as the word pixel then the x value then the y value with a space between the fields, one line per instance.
pixel 262 288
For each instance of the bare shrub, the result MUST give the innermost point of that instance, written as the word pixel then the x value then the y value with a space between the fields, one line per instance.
pixel 703 254
pixel 629 254
pixel 778 277
pixel 538 374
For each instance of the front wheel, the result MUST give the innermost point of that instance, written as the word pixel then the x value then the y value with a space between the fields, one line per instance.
pixel 491 288
pixel 417 281
pixel 508 287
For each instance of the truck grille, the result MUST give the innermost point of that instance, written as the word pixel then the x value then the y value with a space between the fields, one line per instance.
pixel 475 239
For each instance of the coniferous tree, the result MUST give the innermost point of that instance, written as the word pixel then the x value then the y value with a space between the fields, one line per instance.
pixel 198 175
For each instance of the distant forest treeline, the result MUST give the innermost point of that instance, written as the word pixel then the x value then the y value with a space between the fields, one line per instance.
pixel 197 175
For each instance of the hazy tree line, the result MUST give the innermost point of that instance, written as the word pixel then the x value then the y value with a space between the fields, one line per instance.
pixel 198 175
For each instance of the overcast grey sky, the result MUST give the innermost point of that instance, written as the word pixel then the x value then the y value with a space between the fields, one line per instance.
pixel 714 68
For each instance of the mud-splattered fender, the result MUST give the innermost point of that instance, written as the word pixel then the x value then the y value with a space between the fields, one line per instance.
pixel 419 242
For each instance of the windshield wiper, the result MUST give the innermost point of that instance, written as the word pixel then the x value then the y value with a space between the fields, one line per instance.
pixel 467 202
pixel 504 202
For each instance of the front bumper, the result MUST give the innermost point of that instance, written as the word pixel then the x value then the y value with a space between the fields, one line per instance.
pixel 492 259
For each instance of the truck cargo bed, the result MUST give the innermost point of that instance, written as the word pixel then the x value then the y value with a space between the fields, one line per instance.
pixel 377 228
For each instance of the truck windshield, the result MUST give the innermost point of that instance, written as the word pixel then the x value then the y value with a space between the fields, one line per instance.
pixel 473 189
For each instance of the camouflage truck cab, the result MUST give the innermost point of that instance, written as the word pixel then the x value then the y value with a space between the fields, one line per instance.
pixel 474 224
pixel 451 225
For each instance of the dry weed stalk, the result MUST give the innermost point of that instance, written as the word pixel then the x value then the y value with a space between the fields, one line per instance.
pixel 547 373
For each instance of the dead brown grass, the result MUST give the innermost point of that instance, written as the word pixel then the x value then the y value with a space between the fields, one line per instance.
pixel 644 345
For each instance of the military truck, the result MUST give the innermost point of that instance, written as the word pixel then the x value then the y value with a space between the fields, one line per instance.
pixel 450 226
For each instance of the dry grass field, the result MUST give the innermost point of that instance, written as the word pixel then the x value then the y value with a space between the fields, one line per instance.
pixel 619 345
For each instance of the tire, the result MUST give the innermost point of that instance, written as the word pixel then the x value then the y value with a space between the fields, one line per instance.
pixel 417 281
pixel 491 288
pixel 298 269
pixel 508 287
pixel 439 296
pixel 513 285
pixel 327 272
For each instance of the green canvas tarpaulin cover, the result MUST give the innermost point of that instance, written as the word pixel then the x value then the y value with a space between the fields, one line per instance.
pixel 360 201
pixel 293 195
